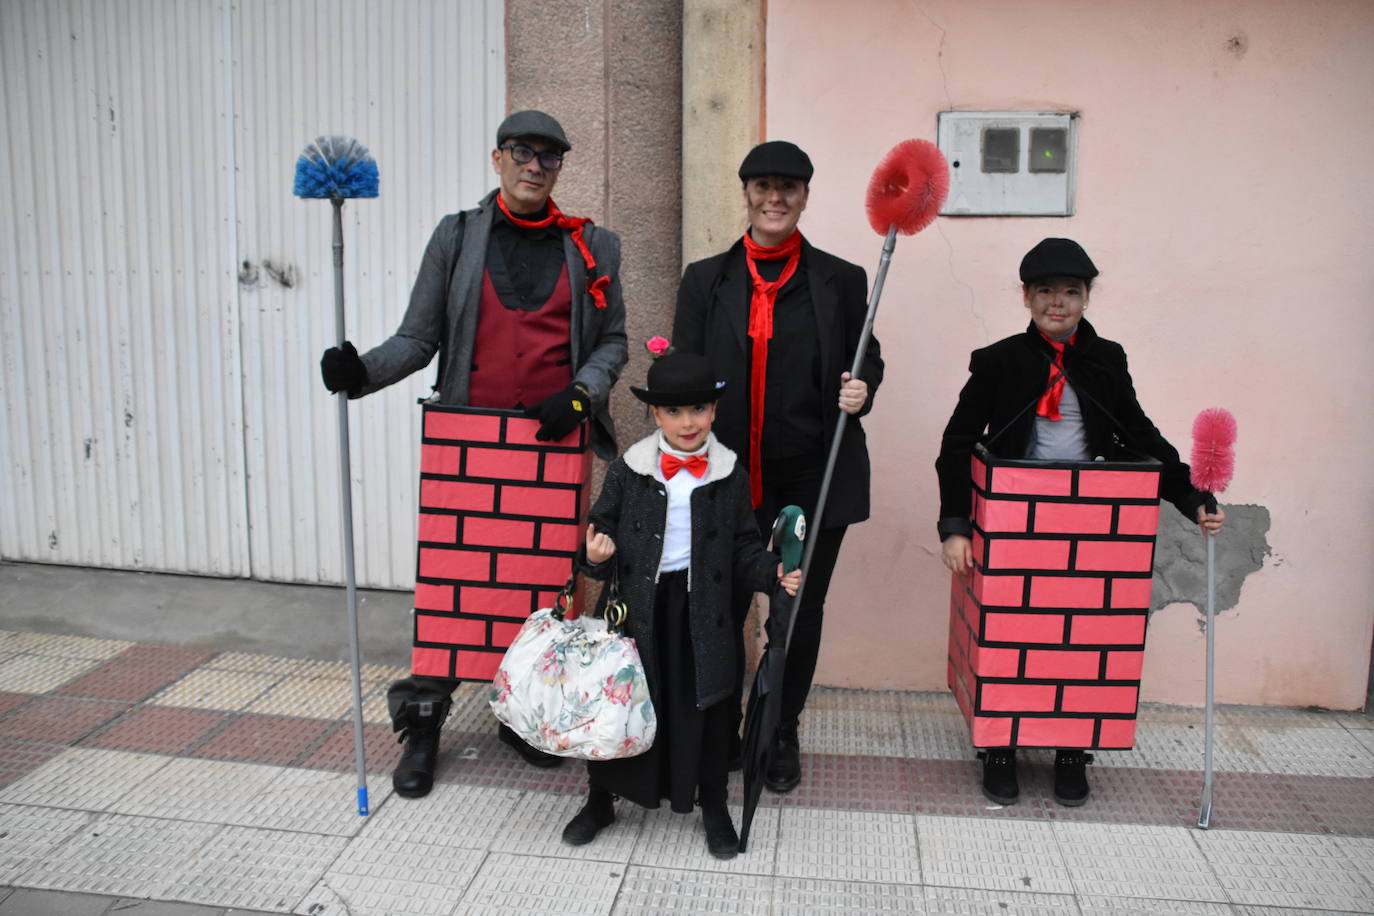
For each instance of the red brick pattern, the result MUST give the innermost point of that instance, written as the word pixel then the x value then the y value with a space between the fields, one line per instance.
pixel 1047 635
pixel 499 524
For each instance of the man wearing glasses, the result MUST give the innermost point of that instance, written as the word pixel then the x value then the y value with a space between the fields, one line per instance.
pixel 523 305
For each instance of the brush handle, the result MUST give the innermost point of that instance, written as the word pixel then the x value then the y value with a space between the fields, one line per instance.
pixel 1205 809
pixel 346 515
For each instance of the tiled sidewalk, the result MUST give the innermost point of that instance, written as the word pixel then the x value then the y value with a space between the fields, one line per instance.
pixel 134 773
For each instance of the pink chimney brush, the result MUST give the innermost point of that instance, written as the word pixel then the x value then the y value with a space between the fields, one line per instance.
pixel 908 188
pixel 1213 458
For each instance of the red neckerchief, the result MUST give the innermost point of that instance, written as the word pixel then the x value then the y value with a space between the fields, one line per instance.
pixel 671 464
pixel 595 285
pixel 761 303
pixel 1048 406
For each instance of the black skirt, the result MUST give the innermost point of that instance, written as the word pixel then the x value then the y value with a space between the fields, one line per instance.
pixel 688 758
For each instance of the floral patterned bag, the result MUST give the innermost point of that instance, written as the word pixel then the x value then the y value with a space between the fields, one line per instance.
pixel 576 688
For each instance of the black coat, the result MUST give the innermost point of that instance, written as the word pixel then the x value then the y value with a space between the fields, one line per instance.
pixel 713 319
pixel 997 406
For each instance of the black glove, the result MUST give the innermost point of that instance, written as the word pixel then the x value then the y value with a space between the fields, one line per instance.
pixel 559 414
pixel 342 369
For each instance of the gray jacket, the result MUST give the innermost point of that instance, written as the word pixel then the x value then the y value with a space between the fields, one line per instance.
pixel 443 315
pixel 633 510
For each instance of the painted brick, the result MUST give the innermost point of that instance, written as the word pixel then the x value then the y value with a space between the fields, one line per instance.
pixel 1117 733
pixel 1032 481
pixel 441 424
pixel 991 732
pixel 990 662
pixel 476 666
pixel 1107 629
pixel 504 602
pixel 457 494
pixel 430 597
pixel 441 528
pixel 978 472
pixel 1083 698
pixel 566 467
pixel 559 537
pixel 1001 514
pixel 1125 665
pixel 1055 732
pixel 1115 556
pixel 1017 698
pixel 1066 591
pixel 450 630
pixel 1118 484
pixel 1138 520
pixel 548 502
pixel 442 563
pixel 503 634
pixel 505 463
pixel 1131 593
pixel 534 570
pixel 520 431
pixel 497 532
pixel 1063 663
pixel 979 546
pixel 1073 518
pixel 429 662
pixel 1022 553
pixel 441 459
pixel 1002 591
pixel 546 599
pixel 1023 628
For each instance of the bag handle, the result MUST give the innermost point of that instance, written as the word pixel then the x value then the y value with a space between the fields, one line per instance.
pixel 616 611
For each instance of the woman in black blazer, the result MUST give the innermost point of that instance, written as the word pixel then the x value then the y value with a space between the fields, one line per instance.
pixel 780 321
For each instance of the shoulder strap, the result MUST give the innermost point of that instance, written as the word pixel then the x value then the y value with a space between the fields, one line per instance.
pixel 452 266
pixel 1062 373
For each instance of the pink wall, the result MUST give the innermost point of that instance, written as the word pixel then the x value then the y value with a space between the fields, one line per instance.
pixel 1224 190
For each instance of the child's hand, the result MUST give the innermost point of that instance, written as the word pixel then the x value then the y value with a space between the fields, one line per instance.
pixel 600 547
pixel 957 554
pixel 790 582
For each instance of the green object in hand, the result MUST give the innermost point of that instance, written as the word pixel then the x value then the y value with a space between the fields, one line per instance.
pixel 789 532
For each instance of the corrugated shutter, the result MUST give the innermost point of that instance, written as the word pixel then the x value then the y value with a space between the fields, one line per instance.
pixel 163 410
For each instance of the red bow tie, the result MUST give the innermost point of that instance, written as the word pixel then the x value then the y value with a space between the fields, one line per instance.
pixel 671 464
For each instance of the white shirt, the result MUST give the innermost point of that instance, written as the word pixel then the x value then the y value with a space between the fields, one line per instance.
pixel 677 533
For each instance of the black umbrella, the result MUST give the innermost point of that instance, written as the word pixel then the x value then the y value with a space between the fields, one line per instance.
pixel 765 697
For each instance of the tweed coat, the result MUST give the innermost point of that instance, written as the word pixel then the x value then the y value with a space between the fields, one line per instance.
pixel 713 319
pixel 1005 381
pixel 443 314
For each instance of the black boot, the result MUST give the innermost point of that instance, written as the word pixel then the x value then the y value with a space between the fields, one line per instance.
pixel 999 775
pixel 533 755
pixel 1071 777
pixel 419 722
pixel 721 839
pixel 784 770
pixel 597 813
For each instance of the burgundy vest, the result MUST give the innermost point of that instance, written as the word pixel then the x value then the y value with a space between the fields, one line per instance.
pixel 521 357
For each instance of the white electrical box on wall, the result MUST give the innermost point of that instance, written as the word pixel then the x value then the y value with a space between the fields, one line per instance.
pixel 1008 163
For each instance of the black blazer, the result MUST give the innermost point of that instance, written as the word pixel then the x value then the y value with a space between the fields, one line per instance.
pixel 997 405
pixel 713 319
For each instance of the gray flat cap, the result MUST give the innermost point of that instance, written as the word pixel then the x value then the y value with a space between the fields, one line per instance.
pixel 533 123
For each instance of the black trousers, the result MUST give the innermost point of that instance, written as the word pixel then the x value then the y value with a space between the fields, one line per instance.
pixel 793 481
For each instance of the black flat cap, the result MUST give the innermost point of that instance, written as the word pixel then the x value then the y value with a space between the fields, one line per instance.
pixel 680 380
pixel 776 157
pixel 1057 258
pixel 533 123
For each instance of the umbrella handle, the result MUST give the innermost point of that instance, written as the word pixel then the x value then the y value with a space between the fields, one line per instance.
pixel 813 524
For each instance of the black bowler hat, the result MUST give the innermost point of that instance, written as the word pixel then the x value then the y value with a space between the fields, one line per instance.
pixel 533 123
pixel 1057 258
pixel 680 380
pixel 776 157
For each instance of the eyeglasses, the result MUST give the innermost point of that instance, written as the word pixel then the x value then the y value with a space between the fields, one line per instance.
pixel 523 155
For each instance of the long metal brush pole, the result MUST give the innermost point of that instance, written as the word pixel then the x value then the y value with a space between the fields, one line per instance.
pixel 346 519
pixel 813 524
pixel 1205 809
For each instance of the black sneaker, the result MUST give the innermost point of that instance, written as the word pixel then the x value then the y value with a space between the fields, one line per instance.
pixel 596 814
pixel 999 775
pixel 721 839
pixel 784 770
pixel 533 755
pixel 1071 777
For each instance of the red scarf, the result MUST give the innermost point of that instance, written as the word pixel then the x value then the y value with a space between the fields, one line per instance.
pixel 761 303
pixel 595 285
pixel 1048 407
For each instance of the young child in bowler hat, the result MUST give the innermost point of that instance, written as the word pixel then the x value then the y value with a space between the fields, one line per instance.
pixel 673 523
